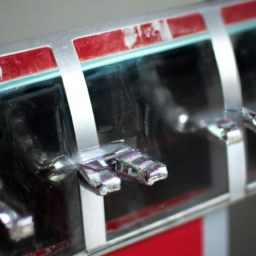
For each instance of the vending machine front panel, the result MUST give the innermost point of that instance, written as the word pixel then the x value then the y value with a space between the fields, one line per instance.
pixel 157 89
pixel 118 132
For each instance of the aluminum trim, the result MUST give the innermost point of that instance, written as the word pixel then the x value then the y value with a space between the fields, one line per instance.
pixel 216 233
pixel 93 219
pixel 225 59
pixel 232 98
pixel 77 95
pixel 86 137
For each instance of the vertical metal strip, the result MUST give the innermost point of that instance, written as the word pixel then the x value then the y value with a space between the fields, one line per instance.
pixel 216 233
pixel 77 95
pixel 232 98
pixel 86 137
pixel 93 219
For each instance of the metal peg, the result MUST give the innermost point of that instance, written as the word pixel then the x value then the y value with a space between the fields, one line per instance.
pixel 249 119
pixel 140 167
pixel 226 131
pixel 102 166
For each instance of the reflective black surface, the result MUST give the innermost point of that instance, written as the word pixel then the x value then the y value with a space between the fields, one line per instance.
pixel 245 51
pixel 35 126
pixel 150 102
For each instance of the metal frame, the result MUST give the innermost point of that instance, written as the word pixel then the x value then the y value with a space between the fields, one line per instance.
pixel 233 29
pixel 231 88
pixel 86 137
pixel 216 233
pixel 85 129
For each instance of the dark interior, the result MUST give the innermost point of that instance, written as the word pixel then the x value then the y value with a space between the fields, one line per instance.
pixel 141 100
pixel 35 122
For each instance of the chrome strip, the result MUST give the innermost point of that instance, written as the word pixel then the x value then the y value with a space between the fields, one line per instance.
pixel 237 170
pixel 225 59
pixel 93 219
pixel 232 98
pixel 77 95
pixel 86 137
pixel 216 233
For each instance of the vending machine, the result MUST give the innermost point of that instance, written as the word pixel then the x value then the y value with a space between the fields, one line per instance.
pixel 130 137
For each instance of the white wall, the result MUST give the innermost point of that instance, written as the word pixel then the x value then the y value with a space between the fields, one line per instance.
pixel 23 19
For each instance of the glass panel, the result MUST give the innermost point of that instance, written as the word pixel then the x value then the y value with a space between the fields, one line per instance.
pixel 35 126
pixel 159 104
pixel 245 51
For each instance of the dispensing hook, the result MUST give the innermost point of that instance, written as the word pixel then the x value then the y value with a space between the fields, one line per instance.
pixel 102 167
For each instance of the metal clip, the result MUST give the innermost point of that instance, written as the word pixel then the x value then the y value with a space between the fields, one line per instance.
pixel 249 119
pixel 140 167
pixel 99 176
pixel 102 166
pixel 226 131
pixel 216 124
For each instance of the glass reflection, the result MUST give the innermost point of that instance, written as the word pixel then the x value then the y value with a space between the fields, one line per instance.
pixel 35 126
pixel 161 104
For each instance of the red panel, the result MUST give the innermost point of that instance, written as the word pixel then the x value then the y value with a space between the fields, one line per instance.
pixel 26 63
pixel 50 250
pixel 135 37
pixel 100 45
pixel 181 241
pixel 186 25
pixel 239 12
pixel 116 41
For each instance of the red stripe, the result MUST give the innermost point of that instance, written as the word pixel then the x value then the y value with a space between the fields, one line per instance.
pixel 181 241
pixel 116 41
pixel 100 45
pixel 239 12
pixel 26 63
pixel 50 250
pixel 186 25
pixel 149 212
pixel 136 37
